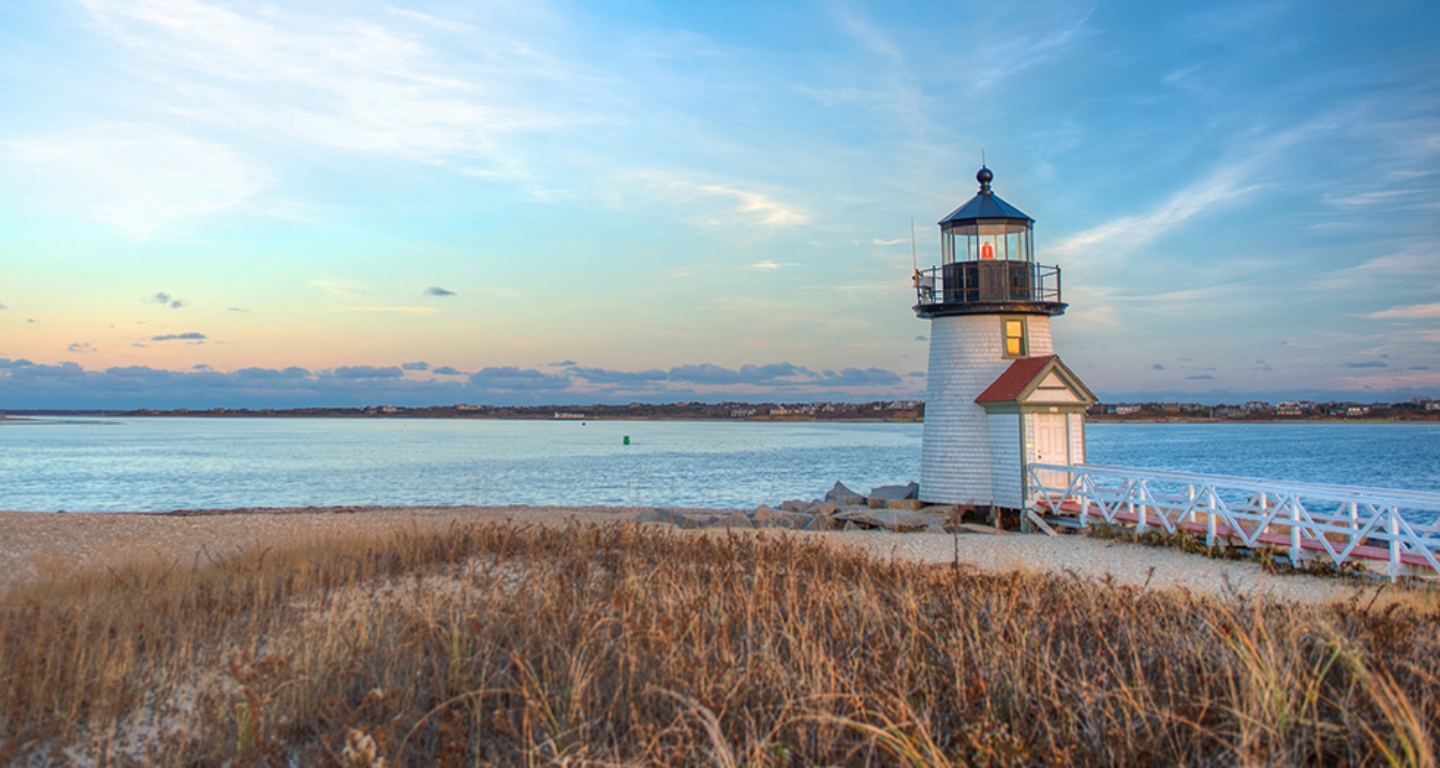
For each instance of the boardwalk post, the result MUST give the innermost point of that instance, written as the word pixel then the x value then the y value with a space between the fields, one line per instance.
pixel 1397 565
pixel 1210 536
pixel 1297 553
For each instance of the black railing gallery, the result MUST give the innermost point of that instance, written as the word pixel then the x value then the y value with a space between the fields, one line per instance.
pixel 996 280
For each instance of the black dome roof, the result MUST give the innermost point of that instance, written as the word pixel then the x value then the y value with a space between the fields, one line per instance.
pixel 985 205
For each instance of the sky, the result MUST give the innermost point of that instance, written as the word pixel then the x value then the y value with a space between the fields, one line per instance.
pixel 241 204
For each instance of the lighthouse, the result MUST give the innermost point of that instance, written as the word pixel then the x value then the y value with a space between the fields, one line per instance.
pixel 998 398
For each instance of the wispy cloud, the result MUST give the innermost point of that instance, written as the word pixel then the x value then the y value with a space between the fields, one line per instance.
pixel 1126 234
pixel 892 90
pixel 347 289
pixel 191 336
pixel 436 290
pixel 401 83
pixel 1409 312
pixel 139 178
pixel 81 348
pixel 1404 265
pixel 1005 57
pixel 766 211
pixel 746 205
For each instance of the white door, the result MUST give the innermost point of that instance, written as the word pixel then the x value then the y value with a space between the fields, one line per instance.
pixel 1052 446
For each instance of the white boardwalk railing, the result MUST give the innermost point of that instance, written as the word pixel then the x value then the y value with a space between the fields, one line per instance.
pixel 1348 525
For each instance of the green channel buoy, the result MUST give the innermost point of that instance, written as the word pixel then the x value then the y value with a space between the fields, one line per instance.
pixel 627 439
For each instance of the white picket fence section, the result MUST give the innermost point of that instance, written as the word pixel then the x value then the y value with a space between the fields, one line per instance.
pixel 1346 524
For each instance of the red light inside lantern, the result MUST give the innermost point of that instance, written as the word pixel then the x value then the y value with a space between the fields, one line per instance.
pixel 987 252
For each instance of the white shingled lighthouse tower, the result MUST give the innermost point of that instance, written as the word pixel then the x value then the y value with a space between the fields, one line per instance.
pixel 998 398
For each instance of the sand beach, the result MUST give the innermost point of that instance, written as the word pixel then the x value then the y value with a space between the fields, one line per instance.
pixel 45 547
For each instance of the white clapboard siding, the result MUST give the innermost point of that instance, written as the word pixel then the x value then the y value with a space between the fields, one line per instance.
pixel 967 354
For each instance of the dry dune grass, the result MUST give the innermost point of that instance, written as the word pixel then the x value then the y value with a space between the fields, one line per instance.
pixel 505 644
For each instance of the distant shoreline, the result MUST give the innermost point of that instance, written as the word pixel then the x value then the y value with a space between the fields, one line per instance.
pixel 42 416
pixel 1302 420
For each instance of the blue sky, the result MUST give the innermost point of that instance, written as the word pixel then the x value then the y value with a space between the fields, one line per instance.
pixel 206 203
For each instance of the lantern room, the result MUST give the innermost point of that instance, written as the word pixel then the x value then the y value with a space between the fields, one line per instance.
pixel 987 262
pixel 986 228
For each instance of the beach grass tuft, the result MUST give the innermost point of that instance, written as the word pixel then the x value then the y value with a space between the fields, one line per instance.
pixel 506 644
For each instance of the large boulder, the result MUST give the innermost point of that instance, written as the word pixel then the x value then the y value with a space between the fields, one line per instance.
pixel 763 514
pixel 943 518
pixel 819 523
pixel 662 516
pixel 765 517
pixel 843 496
pixel 879 497
pixel 794 505
pixel 910 505
pixel 825 508
pixel 733 520
pixel 898 521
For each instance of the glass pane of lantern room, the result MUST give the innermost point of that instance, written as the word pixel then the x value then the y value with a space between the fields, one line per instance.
pixel 1015 246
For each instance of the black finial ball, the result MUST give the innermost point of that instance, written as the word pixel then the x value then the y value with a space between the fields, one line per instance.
pixel 984 176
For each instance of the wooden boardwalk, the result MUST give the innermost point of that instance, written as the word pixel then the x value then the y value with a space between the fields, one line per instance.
pixel 1344 524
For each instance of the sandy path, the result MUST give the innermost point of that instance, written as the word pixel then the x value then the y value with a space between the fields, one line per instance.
pixel 44 546
pixel 1126 562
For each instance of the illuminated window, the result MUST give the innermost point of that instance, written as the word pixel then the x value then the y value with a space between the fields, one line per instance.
pixel 1014 337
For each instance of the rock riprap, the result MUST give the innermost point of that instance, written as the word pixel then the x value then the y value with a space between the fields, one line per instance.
pixel 894 508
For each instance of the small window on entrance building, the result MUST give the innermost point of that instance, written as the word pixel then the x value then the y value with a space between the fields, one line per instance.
pixel 1014 337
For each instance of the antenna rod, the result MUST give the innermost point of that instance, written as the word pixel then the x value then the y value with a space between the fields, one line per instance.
pixel 914 260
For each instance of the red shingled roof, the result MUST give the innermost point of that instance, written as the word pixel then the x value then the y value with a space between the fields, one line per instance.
pixel 1013 382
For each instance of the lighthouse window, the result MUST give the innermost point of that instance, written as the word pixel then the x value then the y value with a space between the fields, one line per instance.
pixel 1014 337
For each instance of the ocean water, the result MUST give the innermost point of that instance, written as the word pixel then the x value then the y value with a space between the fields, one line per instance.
pixel 1404 456
pixel 157 464
pixel 163 464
